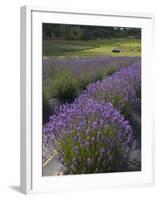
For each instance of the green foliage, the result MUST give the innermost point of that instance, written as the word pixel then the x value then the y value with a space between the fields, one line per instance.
pixel 90 77
pixel 71 32
pixel 95 75
pixel 64 85
pixel 91 150
pixel 84 80
pixel 74 33
pixel 138 49
pixel 135 48
pixel 118 44
pixel 46 107
pixel 110 70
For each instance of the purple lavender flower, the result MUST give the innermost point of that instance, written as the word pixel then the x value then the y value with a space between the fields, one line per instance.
pixel 89 162
pixel 76 138
pixel 88 132
pixel 94 125
pixel 102 139
pixel 102 151
pixel 85 142
pixel 92 140
pixel 76 150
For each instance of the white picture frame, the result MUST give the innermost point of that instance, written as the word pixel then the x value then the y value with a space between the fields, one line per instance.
pixel 31 115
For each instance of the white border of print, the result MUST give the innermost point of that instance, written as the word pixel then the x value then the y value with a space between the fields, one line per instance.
pixel 31 101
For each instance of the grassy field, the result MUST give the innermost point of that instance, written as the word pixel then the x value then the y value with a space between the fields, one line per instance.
pixel 62 48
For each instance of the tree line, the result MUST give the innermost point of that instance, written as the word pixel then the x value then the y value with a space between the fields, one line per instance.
pixel 82 32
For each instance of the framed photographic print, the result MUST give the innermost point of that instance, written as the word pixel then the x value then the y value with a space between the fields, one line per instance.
pixel 86 103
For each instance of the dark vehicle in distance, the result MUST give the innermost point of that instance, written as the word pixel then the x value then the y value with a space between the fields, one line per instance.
pixel 116 50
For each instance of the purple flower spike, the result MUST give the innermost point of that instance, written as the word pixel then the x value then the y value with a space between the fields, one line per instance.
pixel 76 150
pixel 89 162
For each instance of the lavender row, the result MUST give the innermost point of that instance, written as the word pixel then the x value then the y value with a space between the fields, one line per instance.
pixel 84 68
pixel 122 89
pixel 65 79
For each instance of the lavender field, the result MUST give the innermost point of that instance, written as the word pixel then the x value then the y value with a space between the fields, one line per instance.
pixel 91 94
pixel 96 127
pixel 65 79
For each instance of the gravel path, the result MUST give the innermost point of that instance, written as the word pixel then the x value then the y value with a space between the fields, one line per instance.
pixel 52 168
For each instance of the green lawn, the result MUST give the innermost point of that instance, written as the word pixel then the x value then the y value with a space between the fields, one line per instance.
pixel 128 47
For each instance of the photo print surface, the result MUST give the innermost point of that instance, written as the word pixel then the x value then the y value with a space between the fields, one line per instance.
pixel 91 94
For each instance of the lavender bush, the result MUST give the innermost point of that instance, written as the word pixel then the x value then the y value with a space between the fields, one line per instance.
pixel 122 89
pixel 89 137
pixel 64 85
